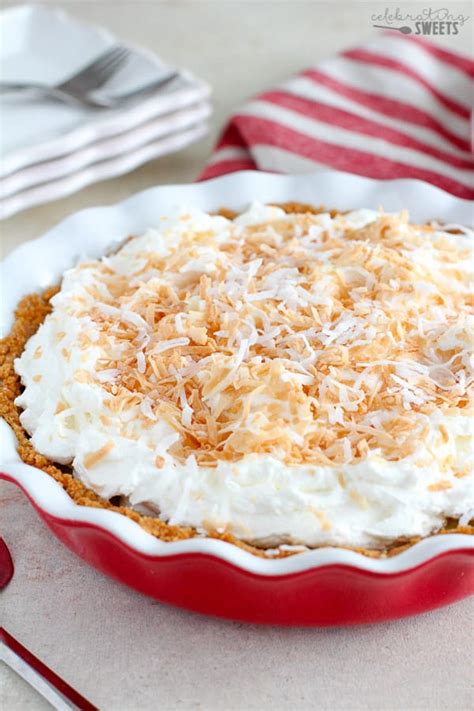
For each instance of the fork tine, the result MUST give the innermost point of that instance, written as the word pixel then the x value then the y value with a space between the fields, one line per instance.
pixel 93 76
pixel 95 63
pixel 109 58
pixel 103 70
pixel 110 67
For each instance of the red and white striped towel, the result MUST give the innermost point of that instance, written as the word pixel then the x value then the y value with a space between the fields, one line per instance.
pixel 399 107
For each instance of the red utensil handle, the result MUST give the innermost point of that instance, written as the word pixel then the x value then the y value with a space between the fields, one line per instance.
pixel 6 564
pixel 48 675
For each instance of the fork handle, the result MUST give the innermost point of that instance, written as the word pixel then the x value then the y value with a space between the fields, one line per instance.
pixel 6 86
pixel 42 91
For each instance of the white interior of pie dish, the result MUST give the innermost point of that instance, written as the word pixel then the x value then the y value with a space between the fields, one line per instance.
pixel 92 232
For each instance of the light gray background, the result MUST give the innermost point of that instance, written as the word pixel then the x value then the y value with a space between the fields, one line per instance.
pixel 122 650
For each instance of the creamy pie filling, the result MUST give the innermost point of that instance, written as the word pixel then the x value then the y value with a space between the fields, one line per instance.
pixel 288 378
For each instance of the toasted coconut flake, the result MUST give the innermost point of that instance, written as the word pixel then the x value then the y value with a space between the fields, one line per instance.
pixel 441 485
pixel 172 343
pixel 323 520
pixel 108 375
pixel 93 458
pixel 141 362
pixel 359 499
pixel 146 409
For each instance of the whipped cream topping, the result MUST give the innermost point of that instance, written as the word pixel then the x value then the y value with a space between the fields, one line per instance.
pixel 296 379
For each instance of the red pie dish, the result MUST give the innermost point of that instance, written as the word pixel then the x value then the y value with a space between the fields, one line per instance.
pixel 263 417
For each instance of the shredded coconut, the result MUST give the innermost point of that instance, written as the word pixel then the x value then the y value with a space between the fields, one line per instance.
pixel 303 334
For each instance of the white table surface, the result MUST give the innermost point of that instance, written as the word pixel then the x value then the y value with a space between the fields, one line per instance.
pixel 118 648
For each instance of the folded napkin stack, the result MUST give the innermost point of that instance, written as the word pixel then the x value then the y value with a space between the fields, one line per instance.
pixel 49 149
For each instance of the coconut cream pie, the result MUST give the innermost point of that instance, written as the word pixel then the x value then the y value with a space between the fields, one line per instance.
pixel 276 377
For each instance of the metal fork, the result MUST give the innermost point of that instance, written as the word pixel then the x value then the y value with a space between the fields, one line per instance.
pixel 77 88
